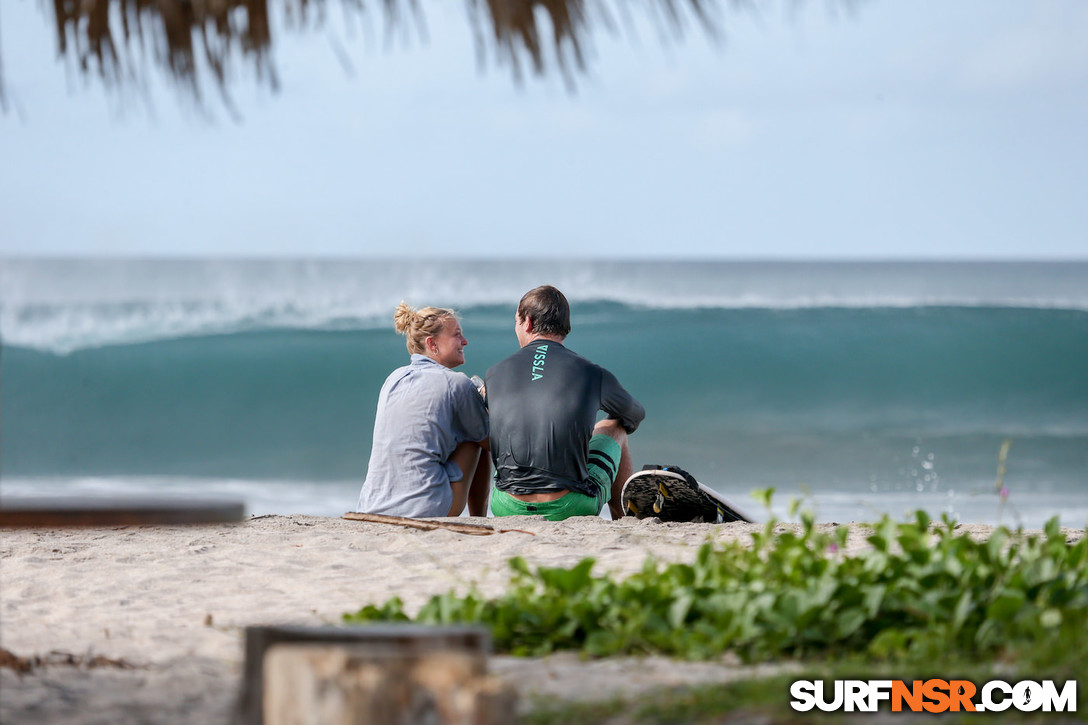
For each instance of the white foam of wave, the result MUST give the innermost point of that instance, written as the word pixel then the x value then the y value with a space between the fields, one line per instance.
pixel 65 329
pixel 964 504
pixel 62 330
pixel 65 305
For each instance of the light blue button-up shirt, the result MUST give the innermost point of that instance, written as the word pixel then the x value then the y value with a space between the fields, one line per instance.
pixel 424 411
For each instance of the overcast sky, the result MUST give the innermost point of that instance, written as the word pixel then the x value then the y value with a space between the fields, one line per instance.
pixel 905 130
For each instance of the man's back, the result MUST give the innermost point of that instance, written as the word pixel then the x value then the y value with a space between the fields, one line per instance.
pixel 543 402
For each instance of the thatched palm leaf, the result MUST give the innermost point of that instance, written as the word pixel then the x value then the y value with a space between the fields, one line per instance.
pixel 85 31
pixel 102 35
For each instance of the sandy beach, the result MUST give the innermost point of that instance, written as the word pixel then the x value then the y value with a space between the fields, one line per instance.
pixel 145 623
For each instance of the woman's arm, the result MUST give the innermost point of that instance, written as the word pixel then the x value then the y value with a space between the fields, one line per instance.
pixel 471 456
pixel 467 456
pixel 481 483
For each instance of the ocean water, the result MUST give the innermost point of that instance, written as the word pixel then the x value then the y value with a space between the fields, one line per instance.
pixel 863 388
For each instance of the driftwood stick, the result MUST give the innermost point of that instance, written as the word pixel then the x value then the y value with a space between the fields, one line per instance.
pixel 473 529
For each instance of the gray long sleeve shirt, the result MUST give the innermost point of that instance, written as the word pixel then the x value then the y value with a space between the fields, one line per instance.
pixel 424 411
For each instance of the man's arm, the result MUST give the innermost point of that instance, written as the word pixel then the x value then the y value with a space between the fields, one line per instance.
pixel 619 404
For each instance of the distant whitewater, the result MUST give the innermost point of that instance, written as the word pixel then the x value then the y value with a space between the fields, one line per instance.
pixel 868 387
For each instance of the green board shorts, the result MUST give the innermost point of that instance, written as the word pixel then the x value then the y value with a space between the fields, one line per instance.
pixel 603 464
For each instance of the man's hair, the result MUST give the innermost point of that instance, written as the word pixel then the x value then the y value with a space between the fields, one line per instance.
pixel 548 309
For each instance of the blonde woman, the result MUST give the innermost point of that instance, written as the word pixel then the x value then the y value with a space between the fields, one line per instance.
pixel 430 427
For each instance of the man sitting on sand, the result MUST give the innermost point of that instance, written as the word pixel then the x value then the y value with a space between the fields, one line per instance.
pixel 550 459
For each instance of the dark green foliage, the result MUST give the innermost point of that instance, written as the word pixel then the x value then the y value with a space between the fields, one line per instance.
pixel 921 592
pixel 749 700
pixel 762 700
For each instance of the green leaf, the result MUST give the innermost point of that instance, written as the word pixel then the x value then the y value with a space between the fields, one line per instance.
pixel 922 519
pixel 1053 529
pixel 849 622
pixel 795 505
pixel 1006 605
pixel 874 597
pixel 678 610
pixel 1051 618
pixel 519 565
pixel 996 543
pixel 808 520
pixel 963 608
pixel 878 542
pixel 763 496
pixel 889 643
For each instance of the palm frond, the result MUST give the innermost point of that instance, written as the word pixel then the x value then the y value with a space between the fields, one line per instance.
pixel 109 38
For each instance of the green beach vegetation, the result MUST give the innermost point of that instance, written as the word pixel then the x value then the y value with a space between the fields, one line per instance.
pixel 921 591
pixel 921 595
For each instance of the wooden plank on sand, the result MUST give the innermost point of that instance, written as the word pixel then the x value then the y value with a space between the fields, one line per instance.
pixel 83 511
pixel 426 525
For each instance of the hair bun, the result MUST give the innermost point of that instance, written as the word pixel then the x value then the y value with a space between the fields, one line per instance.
pixel 403 317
